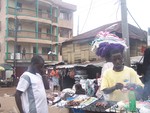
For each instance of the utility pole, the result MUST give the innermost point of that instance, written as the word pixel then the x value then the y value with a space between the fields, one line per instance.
pixel 125 30
pixel 15 43
pixel 15 35
pixel 78 27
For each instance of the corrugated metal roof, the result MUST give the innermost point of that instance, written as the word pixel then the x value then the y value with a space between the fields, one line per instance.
pixel 7 66
pixel 134 32
pixel 96 64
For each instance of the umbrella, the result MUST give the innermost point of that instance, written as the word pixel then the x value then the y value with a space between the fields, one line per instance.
pixel 2 68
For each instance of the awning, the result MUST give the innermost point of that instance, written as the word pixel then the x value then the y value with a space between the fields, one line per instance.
pixel 136 59
pixel 99 64
pixel 6 66
pixel 66 66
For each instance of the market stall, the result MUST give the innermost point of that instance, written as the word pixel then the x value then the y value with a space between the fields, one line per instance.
pixel 126 90
pixel 86 104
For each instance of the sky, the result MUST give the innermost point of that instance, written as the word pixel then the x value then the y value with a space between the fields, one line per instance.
pixel 95 13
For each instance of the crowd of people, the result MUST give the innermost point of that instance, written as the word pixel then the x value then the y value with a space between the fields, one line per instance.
pixel 115 82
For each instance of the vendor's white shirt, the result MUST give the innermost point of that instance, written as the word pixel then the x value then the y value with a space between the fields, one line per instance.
pixel 106 66
pixel 34 96
pixel 99 93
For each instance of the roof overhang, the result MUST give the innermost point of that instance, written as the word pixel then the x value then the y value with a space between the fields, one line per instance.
pixel 6 66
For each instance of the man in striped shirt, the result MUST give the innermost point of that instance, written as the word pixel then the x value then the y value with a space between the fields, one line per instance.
pixel 30 92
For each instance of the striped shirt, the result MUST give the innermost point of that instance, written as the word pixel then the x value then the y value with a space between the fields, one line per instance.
pixel 34 95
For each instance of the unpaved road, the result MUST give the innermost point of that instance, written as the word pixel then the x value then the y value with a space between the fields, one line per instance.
pixel 7 90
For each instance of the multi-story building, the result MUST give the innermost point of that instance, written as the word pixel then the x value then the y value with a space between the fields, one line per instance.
pixel 29 27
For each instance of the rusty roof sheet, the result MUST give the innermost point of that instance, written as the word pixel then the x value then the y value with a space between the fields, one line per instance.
pixel 134 32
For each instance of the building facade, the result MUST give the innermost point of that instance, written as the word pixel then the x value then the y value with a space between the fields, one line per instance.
pixel 78 49
pixel 29 27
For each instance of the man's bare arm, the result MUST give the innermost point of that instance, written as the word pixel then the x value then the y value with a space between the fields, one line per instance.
pixel 109 90
pixel 18 100
pixel 45 82
pixel 112 89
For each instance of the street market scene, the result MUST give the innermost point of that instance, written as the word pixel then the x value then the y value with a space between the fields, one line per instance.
pixel 48 67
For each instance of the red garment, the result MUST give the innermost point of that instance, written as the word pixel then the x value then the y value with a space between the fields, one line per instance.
pixel 54 73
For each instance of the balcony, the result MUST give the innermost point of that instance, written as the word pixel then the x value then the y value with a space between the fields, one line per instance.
pixel 54 19
pixel 28 56
pixel 30 14
pixel 22 11
pixel 66 23
pixel 23 35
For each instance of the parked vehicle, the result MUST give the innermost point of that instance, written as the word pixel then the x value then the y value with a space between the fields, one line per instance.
pixel 6 79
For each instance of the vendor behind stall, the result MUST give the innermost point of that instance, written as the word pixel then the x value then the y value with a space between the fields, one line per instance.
pixel 119 78
pixel 79 89
pixel 68 80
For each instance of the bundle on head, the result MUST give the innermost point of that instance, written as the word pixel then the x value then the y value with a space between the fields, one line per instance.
pixel 104 49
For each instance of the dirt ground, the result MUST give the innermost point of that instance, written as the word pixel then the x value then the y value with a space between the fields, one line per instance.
pixel 7 90
pixel 8 104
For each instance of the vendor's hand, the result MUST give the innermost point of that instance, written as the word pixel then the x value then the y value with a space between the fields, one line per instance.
pixel 119 86
pixel 130 85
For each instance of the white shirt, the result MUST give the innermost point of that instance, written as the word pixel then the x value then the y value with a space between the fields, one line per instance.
pixel 99 93
pixel 34 96
pixel 106 66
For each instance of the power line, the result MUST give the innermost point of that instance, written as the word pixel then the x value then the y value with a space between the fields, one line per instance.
pixel 83 9
pixel 102 4
pixel 117 8
pixel 87 15
pixel 135 22
pixel 91 7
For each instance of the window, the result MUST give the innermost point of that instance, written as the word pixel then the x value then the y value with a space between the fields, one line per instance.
pixel 18 49
pixel 48 31
pixel 45 50
pixel 34 50
pixel 19 27
pixel 48 13
pixel 64 32
pixel 54 11
pixel 40 13
pixel 64 16
pixel 40 32
pixel 19 6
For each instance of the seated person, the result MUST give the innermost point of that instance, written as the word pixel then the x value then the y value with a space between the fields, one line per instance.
pixel 79 89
